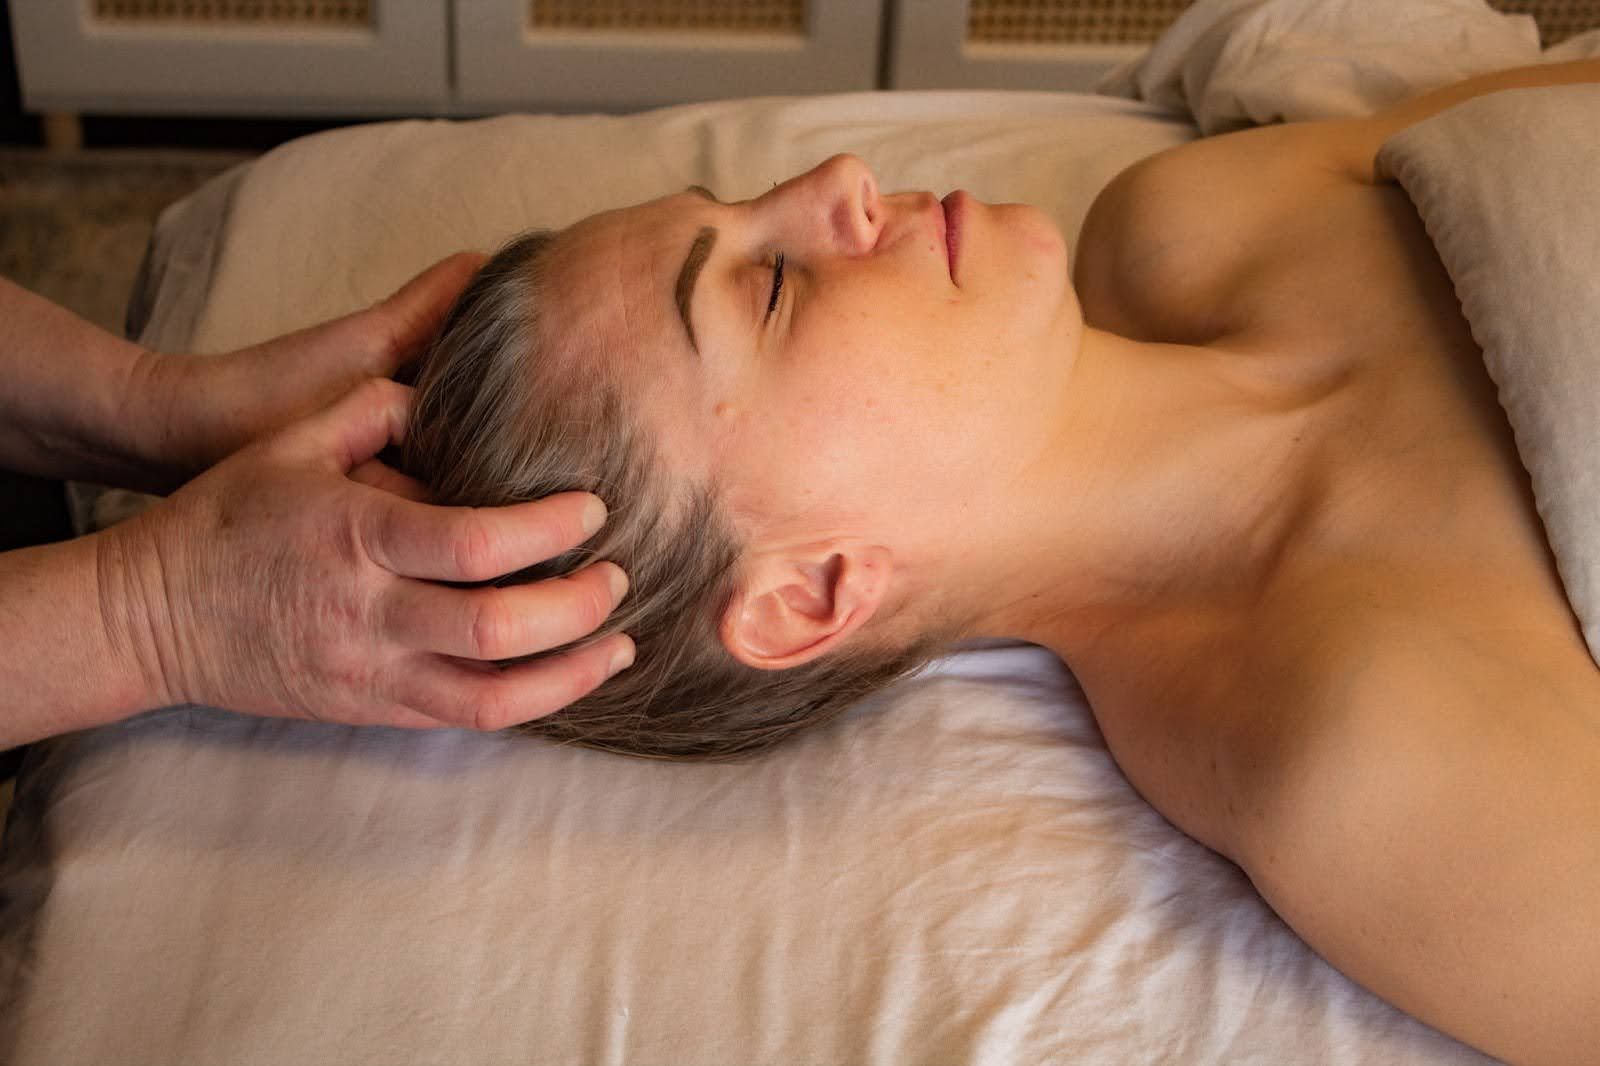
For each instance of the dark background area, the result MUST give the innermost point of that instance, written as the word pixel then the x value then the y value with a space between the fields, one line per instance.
pixel 15 127
pixel 18 128
pixel 34 510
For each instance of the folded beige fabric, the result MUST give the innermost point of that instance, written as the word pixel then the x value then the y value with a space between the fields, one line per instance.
pixel 1235 63
pixel 1505 186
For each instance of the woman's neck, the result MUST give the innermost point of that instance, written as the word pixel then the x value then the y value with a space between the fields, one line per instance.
pixel 1173 486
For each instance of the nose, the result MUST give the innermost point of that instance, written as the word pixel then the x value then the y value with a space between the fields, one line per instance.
pixel 839 199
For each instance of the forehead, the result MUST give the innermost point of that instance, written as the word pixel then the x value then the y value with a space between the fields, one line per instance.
pixel 608 285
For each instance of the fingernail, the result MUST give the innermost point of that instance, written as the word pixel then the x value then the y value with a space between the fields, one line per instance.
pixel 621 659
pixel 619 583
pixel 594 515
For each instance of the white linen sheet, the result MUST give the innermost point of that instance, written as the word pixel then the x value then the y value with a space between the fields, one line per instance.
pixel 956 872
pixel 1235 63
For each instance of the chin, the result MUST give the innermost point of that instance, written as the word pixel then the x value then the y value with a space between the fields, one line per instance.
pixel 1041 252
pixel 1036 230
pixel 1037 246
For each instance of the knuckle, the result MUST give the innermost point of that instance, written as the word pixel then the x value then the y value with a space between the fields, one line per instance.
pixel 548 540
pixel 575 675
pixel 592 603
pixel 377 331
pixel 545 539
pixel 380 390
pixel 559 525
pixel 561 683
pixel 379 394
pixel 438 706
pixel 589 674
pixel 493 710
pixel 446 703
pixel 352 531
pixel 473 546
pixel 490 627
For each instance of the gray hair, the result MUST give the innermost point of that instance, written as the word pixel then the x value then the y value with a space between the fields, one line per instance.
pixel 498 420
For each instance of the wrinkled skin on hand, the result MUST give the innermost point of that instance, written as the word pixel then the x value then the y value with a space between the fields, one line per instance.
pixel 210 406
pixel 300 578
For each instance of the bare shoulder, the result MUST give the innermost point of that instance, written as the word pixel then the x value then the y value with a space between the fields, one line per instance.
pixel 1410 676
pixel 1195 245
pixel 1433 824
pixel 1172 241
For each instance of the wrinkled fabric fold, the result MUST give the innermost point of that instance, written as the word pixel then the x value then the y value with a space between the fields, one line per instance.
pixel 1235 63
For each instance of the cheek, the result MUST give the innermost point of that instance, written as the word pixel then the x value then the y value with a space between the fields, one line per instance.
pixel 889 409
pixel 818 443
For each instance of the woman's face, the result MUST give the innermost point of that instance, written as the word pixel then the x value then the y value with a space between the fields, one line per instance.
pixel 834 358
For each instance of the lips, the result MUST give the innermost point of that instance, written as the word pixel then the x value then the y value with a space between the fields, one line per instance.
pixel 953 205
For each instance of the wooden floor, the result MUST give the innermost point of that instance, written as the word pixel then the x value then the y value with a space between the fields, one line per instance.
pixel 73 226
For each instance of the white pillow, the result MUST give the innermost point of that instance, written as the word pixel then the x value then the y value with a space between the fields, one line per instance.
pixel 1234 63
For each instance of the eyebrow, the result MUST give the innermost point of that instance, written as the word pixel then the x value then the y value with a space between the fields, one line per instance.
pixel 699 252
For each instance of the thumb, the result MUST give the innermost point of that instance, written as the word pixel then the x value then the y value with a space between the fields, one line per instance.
pixel 413 314
pixel 352 429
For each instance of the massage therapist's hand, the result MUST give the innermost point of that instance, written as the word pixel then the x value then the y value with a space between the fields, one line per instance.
pixel 207 407
pixel 301 578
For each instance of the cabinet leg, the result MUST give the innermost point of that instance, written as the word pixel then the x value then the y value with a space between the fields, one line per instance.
pixel 63 131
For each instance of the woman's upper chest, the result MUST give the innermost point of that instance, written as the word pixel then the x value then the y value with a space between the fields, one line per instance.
pixel 1423 546
pixel 1324 297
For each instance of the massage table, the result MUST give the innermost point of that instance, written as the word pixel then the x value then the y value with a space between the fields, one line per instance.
pixel 954 872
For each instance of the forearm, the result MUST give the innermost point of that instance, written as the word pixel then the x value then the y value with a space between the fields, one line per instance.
pixel 77 402
pixel 71 644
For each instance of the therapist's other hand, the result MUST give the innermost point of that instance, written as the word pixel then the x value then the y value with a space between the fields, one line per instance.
pixel 207 407
pixel 300 578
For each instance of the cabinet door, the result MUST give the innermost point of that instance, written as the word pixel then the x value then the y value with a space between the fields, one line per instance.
pixel 234 56
pixel 1020 44
pixel 616 54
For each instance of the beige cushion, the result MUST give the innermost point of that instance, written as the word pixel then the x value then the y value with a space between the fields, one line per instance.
pixel 1506 187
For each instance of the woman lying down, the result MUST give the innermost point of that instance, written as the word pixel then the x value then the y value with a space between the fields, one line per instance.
pixel 1236 461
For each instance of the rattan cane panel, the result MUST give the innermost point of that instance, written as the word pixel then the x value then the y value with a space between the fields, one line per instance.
pixel 1558 19
pixel 250 12
pixel 719 16
pixel 1142 21
pixel 1070 21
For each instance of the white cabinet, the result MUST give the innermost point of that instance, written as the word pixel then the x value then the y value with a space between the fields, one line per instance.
pixel 627 53
pixel 396 57
pixel 233 56
pixel 1019 44
pixel 1070 44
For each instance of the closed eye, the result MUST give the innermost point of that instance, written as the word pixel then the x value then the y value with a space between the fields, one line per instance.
pixel 777 286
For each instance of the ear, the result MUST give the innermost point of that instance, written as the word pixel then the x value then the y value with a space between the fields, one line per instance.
pixel 796 603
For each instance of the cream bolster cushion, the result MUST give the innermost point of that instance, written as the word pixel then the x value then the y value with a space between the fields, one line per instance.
pixel 1505 184
pixel 328 223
